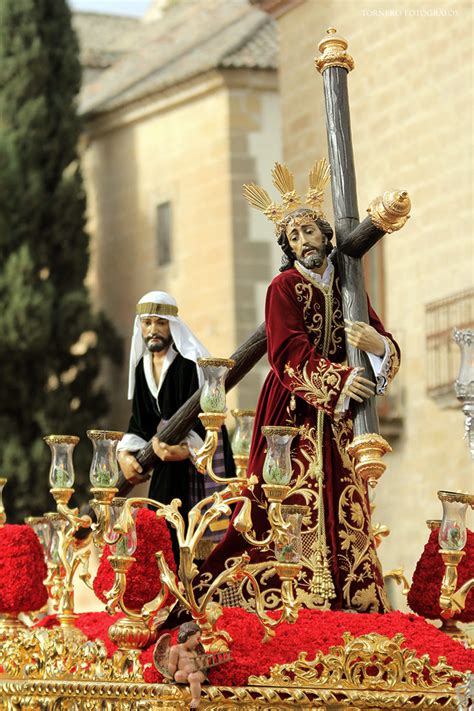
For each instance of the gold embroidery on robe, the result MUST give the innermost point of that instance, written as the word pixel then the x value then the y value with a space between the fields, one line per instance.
pixel 321 387
pixel 337 322
pixel 357 557
pixel 313 321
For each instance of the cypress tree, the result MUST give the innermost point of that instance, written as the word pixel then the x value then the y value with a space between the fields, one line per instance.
pixel 51 343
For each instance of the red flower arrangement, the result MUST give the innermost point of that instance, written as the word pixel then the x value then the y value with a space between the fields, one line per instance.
pixel 425 590
pixel 314 631
pixel 143 577
pixel 22 570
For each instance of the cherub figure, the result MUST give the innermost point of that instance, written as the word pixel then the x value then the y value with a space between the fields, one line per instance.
pixel 187 662
pixel 184 662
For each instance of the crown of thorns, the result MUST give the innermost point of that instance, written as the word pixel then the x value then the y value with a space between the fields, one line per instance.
pixel 284 182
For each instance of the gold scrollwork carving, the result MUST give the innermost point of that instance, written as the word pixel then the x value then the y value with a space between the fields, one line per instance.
pixel 368 661
pixel 367 671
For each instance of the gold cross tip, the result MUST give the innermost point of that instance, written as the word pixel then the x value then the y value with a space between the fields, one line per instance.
pixel 333 52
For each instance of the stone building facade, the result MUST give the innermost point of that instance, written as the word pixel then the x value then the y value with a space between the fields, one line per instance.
pixel 173 128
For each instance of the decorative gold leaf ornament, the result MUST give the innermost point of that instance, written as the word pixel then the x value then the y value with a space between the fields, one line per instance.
pixel 368 662
pixel 318 179
pixel 366 672
pixel 284 182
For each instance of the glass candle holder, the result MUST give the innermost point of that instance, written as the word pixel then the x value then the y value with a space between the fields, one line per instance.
pixel 242 437
pixel 464 385
pixel 277 465
pixel 212 397
pixel 291 550
pixel 126 544
pixel 42 528
pixel 61 472
pixel 104 471
pixel 452 532
pixel 116 510
pixel 56 525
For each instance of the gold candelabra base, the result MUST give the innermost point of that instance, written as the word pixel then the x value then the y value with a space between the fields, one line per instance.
pixel 212 421
pixel 275 493
pixel 103 495
pixel 368 450
pixel 67 625
pixel 62 495
pixel 131 634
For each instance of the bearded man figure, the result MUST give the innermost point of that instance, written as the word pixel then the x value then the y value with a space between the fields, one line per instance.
pixel 310 386
pixel 163 374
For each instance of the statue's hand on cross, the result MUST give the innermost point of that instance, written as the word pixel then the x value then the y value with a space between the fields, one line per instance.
pixel 363 336
pixel 360 388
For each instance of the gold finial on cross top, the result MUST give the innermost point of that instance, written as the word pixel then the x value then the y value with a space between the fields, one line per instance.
pixel 333 48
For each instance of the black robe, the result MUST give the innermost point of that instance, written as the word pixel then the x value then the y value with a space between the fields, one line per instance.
pixel 171 479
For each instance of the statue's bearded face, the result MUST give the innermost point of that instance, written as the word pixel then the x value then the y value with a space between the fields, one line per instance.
pixel 156 333
pixel 307 243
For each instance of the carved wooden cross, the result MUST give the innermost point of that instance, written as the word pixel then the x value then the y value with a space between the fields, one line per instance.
pixel 353 239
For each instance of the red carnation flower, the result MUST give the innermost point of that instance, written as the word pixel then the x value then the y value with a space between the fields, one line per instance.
pixel 22 570
pixel 143 576
pixel 425 590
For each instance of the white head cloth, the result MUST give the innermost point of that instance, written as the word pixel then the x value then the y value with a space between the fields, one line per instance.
pixel 184 339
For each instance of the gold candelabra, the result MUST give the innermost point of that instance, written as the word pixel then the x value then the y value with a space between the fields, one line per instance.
pixel 116 528
pixel 452 534
pixel 452 539
pixel 68 552
pixel 180 585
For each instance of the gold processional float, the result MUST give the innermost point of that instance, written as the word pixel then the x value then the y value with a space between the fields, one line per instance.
pixel 59 668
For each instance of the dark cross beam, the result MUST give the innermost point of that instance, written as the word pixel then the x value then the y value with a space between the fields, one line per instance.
pixel 353 239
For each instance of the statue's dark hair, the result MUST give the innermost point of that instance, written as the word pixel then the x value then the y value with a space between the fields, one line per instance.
pixel 186 630
pixel 288 258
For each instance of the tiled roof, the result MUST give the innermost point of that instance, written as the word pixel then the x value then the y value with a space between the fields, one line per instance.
pixel 260 50
pixel 104 38
pixel 192 37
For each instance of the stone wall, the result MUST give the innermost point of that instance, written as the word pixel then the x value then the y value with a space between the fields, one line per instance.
pixel 194 146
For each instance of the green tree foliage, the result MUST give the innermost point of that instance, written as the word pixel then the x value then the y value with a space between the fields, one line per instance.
pixel 51 343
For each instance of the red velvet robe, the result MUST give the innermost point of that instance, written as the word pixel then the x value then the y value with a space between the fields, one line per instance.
pixel 306 350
